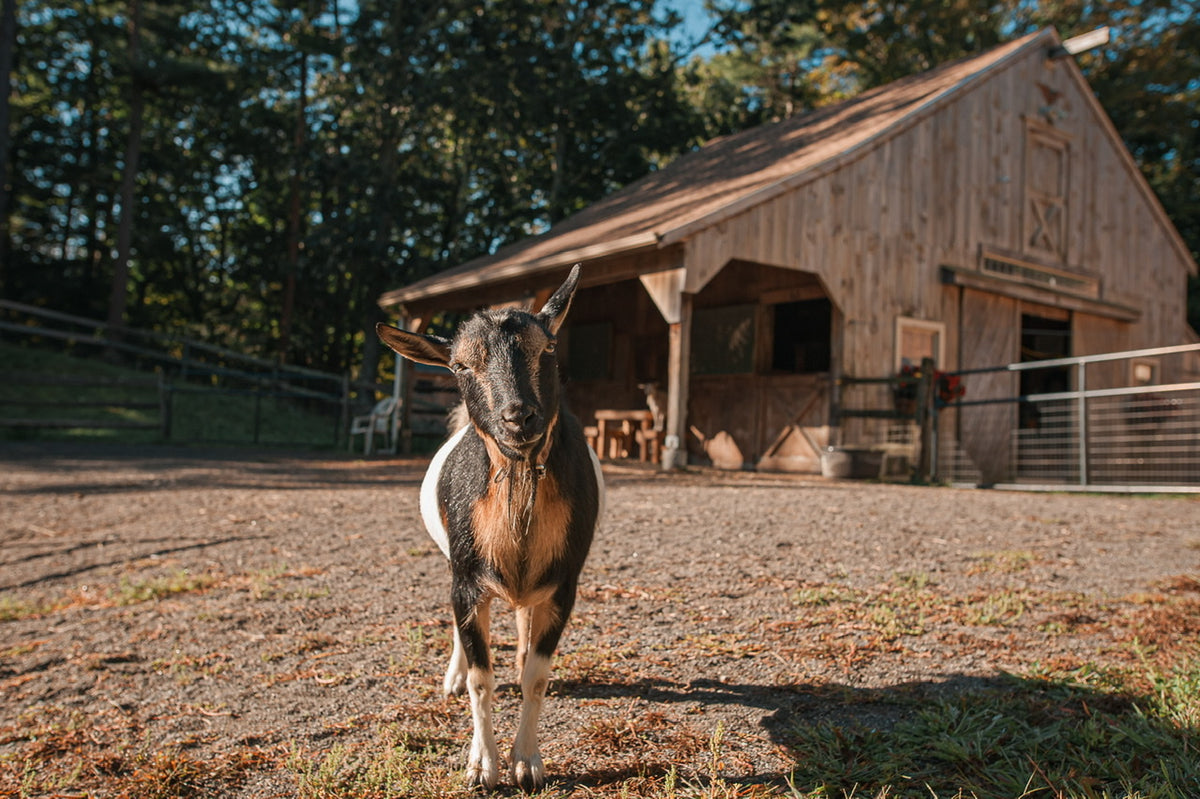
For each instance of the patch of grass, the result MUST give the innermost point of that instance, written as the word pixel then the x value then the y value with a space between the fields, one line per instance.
pixel 995 610
pixel 397 763
pixel 892 622
pixel 1003 562
pixel 915 580
pixel 208 414
pixel 1068 736
pixel 822 595
pixel 150 589
pixel 889 612
pixel 13 608
pixel 267 584
pixel 54 752
pixel 38 401
pixel 189 669
pixel 129 591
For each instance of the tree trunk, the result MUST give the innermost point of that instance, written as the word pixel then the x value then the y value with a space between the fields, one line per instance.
pixel 8 39
pixel 117 298
pixel 293 239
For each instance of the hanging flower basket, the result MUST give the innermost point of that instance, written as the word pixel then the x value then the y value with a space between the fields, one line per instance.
pixel 947 388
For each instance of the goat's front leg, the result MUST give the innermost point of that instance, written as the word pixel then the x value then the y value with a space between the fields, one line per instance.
pixel 540 628
pixel 483 764
pixel 455 682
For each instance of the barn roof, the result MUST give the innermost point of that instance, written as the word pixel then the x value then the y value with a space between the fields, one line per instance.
pixel 726 176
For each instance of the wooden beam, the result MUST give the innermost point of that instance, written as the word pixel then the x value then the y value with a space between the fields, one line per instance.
pixel 678 374
pixel 666 288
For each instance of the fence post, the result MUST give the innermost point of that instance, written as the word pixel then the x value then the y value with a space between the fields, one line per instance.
pixel 933 442
pixel 164 406
pixel 925 402
pixel 1081 387
pixel 257 410
pixel 343 423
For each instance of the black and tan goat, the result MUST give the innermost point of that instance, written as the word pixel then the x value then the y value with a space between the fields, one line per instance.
pixel 512 499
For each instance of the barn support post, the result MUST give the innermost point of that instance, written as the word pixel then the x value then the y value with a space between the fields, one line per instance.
pixel 678 368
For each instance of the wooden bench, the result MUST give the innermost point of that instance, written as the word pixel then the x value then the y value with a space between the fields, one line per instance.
pixel 617 432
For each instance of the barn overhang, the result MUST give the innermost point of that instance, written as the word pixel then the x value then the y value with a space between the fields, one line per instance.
pixel 484 285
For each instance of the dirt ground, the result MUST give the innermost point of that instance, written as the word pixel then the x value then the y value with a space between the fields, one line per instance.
pixel 263 609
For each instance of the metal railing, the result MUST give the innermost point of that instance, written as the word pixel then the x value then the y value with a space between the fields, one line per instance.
pixel 1104 432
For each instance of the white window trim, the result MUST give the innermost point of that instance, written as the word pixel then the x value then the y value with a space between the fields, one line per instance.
pixel 939 328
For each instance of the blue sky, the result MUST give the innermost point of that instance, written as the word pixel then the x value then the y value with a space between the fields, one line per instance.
pixel 695 20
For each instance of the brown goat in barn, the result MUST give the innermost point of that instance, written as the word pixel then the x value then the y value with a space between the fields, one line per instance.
pixel 512 499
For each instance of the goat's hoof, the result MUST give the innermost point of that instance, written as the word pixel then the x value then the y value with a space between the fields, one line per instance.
pixel 529 773
pixel 483 774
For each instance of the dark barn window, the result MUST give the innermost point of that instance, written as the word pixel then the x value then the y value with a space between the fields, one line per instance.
pixel 589 351
pixel 802 339
pixel 723 340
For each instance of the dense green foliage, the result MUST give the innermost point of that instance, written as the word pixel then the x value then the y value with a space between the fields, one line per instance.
pixel 256 172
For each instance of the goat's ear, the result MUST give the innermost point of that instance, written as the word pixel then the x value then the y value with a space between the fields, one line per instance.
pixel 433 350
pixel 555 310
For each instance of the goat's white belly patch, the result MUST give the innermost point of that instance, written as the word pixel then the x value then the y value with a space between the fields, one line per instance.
pixel 601 494
pixel 429 503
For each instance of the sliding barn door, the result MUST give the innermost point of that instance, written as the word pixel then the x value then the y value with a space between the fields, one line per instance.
pixel 990 336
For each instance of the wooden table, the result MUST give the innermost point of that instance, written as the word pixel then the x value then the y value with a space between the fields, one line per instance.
pixel 617 430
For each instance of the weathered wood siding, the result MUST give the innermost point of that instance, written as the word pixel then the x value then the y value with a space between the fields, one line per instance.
pixel 877 228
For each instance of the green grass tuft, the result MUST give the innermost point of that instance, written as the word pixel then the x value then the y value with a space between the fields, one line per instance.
pixel 1022 737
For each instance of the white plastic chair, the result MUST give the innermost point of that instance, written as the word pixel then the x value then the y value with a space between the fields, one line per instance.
pixel 379 420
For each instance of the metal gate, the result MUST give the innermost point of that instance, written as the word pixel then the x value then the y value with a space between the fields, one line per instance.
pixel 1130 421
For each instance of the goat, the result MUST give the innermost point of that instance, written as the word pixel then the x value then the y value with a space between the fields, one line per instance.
pixel 656 401
pixel 512 499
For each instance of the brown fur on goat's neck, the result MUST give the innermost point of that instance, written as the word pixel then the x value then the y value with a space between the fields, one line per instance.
pixel 520 524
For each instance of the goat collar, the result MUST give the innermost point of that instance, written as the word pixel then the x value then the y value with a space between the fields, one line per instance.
pixel 536 470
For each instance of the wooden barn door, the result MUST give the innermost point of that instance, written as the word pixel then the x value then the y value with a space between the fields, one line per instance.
pixel 990 336
pixel 795 414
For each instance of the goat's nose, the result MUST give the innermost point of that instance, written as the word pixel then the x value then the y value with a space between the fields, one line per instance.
pixel 518 415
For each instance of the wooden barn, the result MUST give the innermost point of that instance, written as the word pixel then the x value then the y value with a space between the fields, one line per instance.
pixel 967 214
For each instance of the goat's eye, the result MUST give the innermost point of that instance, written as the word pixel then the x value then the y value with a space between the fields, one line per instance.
pixel 458 367
pixel 551 345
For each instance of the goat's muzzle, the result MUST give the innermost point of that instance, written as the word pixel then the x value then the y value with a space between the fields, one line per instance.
pixel 521 425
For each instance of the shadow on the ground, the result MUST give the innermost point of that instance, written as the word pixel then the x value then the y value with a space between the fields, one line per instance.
pixel 107 468
pixel 990 737
pixel 144 548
